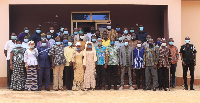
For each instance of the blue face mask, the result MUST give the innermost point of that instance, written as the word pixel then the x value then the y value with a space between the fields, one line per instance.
pixel 94 40
pixel 69 43
pixel 48 36
pixel 141 28
pixel 90 46
pixel 19 45
pixel 158 42
pixel 38 31
pixel 187 41
pixel 171 43
pixel 80 32
pixel 61 29
pixel 117 29
pixel 44 44
pixel 108 27
pixel 58 43
pixel 65 41
pixel 132 31
pixel 125 32
pixel 112 42
pixel 26 31
pixel 75 33
pixel 65 32
pixel 120 39
pixel 43 38
pixel 26 40
pixel 126 43
pixel 78 49
pixel 13 37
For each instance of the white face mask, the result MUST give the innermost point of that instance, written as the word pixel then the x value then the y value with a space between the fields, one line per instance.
pixel 139 45
pixel 51 31
pixel 82 37
pixel 164 44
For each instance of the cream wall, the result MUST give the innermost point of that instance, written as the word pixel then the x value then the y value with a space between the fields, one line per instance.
pixel 190 19
pixel 174 16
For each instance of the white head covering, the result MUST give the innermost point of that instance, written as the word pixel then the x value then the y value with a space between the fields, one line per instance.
pixel 93 49
pixel 78 43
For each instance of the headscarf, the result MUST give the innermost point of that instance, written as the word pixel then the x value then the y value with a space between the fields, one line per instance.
pixel 93 50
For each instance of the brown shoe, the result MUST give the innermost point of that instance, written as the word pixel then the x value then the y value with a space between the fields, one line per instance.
pixel 62 89
pixel 56 89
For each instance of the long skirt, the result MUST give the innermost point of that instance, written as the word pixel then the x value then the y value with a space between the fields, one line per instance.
pixel 31 81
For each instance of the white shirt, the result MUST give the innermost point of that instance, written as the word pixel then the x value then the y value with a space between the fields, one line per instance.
pixel 89 35
pixel 118 44
pixel 51 42
pixel 31 57
pixel 25 45
pixel 9 46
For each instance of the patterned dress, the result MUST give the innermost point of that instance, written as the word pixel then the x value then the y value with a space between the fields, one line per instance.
pixel 89 77
pixel 18 77
pixel 79 71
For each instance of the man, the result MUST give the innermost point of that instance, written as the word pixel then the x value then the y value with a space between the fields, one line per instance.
pixel 21 35
pixel 137 62
pixel 141 35
pixel 49 39
pixel 52 32
pixel 68 71
pixel 146 43
pixel 119 43
pixel 164 62
pixel 126 62
pixel 158 44
pixel 43 36
pixel 112 58
pixel 132 30
pixel 61 29
pixel 97 33
pixel 94 40
pixel 188 57
pixel 126 34
pixel 150 62
pixel 101 67
pixel 65 41
pixel 106 40
pixel 44 65
pixel 77 36
pixel 118 29
pixel 81 38
pixel 36 37
pixel 8 48
pixel 175 56
pixel 92 32
pixel 133 41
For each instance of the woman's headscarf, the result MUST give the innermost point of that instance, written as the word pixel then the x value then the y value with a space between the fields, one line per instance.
pixel 93 50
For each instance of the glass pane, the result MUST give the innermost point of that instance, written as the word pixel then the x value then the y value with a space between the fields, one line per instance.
pixel 80 16
pixel 74 25
pixel 100 16
pixel 85 26
pixel 101 26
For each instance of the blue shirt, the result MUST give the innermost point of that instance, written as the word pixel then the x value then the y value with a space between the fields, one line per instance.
pixel 44 59
pixel 138 57
pixel 142 36
pixel 36 38
pixel 101 53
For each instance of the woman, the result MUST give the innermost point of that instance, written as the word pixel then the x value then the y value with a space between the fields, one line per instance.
pixel 78 68
pixel 25 43
pixel 30 59
pixel 17 65
pixel 89 66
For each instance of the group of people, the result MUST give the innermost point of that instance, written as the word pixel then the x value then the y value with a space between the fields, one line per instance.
pixel 85 60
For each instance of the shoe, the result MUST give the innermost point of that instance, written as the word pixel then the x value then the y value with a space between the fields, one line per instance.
pixel 131 88
pixel 154 89
pixel 62 89
pixel 93 89
pixel 47 89
pixel 56 89
pixel 148 89
pixel 160 88
pixel 173 86
pixel 97 88
pixel 115 88
pixel 191 88
pixel 166 89
pixel 136 88
pixel 108 88
pixel 121 88
pixel 85 89
pixel 103 88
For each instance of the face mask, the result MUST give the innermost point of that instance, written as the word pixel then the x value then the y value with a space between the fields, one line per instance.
pixel 61 29
pixel 82 37
pixel 43 38
pixel 26 40
pixel 13 37
pixel 58 43
pixel 125 32
pixel 132 31
pixel 65 41
pixel 69 43
pixel 187 41
pixel 117 29
pixel 75 33
pixel 78 49
pixel 141 28
pixel 158 42
pixel 108 27
pixel 31 46
pixel 139 45
pixel 99 43
pixel 90 46
pixel 26 31
pixel 51 31
pixel 171 43
pixel 163 44
pixel 112 42
pixel 126 43
pixel 48 36
pixel 147 39
pixel 38 31
pixel 94 40
pixel 19 45
pixel 120 39
pixel 65 32
pixel 44 44
pixel 80 32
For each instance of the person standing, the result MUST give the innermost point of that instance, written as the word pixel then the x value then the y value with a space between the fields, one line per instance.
pixel 112 56
pixel 8 48
pixel 36 37
pixel 81 40
pixel 68 70
pixel 141 35
pixel 133 41
pixel 43 36
pixel 125 56
pixel 17 65
pixel 58 61
pixel 50 39
pixel 126 34
pixel 30 59
pixel 25 33
pixel 92 32
pixel 25 43
pixel 188 57
pixel 105 40
pixel 175 56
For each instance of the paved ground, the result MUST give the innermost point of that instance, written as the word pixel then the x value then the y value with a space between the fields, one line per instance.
pixel 125 96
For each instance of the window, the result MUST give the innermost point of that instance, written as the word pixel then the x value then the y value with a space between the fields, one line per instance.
pixel 80 16
pixel 100 16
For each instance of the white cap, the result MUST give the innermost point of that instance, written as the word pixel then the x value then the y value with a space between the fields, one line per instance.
pixel 78 43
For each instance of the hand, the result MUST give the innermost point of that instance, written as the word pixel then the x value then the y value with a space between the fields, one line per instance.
pixel 11 67
pixel 70 63
pixel 183 63
pixel 53 66
pixel 26 67
pixel 38 67
pixel 105 66
pixel 84 67
pixel 74 68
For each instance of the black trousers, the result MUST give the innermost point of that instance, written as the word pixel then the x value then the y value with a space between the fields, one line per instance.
pixel 101 75
pixel 163 75
pixel 112 72
pixel 173 74
pixel 139 73
pixel 185 69
pixel 9 73
pixel 69 77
